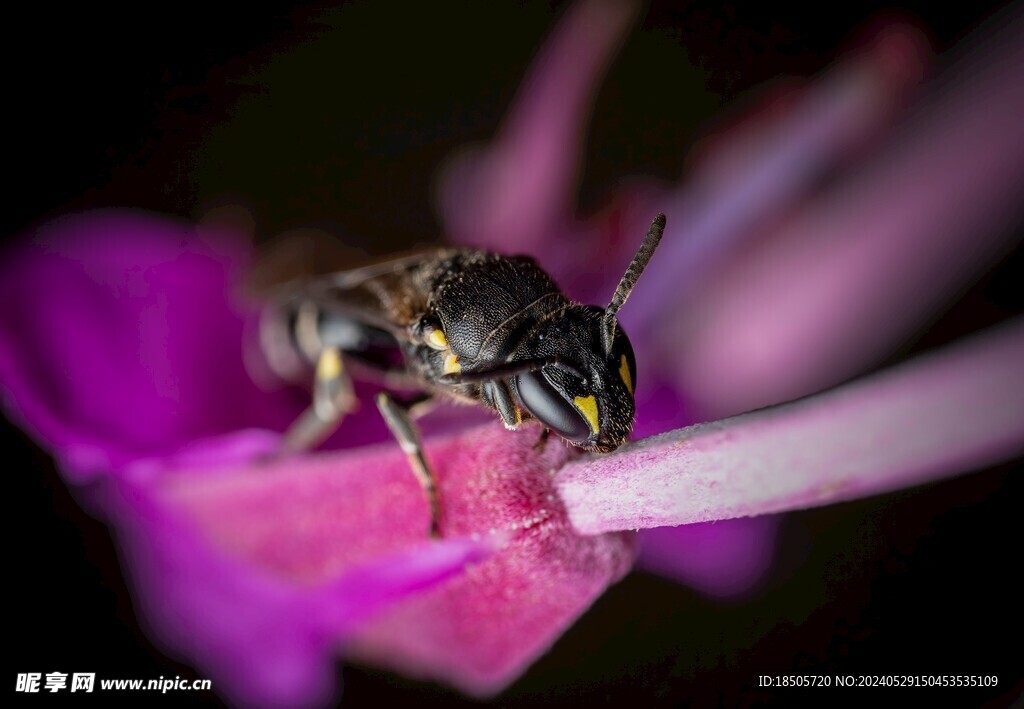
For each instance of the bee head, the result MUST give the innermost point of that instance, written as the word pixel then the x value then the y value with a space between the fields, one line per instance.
pixel 586 394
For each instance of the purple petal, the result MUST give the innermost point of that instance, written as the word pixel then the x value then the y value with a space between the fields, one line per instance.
pixel 930 418
pixel 263 640
pixel 519 189
pixel 758 172
pixel 863 268
pixel 725 560
pixel 129 345
pixel 311 517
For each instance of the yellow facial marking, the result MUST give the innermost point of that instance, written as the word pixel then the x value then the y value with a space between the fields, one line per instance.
pixel 328 366
pixel 624 374
pixel 437 340
pixel 451 364
pixel 588 407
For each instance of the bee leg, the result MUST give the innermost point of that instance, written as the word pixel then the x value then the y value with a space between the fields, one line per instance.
pixel 399 419
pixel 332 399
pixel 543 440
pixel 497 395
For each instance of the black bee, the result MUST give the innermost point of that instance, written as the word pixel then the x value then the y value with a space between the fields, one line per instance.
pixel 464 324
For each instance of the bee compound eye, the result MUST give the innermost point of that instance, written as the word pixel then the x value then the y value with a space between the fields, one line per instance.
pixel 551 408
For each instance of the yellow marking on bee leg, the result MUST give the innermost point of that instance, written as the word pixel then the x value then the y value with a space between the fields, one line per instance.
pixel 624 374
pixel 588 407
pixel 451 364
pixel 333 398
pixel 329 365
pixel 437 340
pixel 332 389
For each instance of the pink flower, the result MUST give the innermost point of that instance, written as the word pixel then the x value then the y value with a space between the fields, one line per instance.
pixel 128 368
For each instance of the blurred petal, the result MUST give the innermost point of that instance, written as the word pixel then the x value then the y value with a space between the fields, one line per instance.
pixel 262 639
pixel 519 189
pixel 863 268
pixel 930 418
pixel 311 517
pixel 767 165
pixel 726 560
pixel 132 363
pixel 127 344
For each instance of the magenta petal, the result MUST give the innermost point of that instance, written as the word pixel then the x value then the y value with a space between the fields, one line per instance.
pixel 726 560
pixel 128 344
pixel 263 640
pixel 933 417
pixel 519 189
pixel 312 517
pixel 235 448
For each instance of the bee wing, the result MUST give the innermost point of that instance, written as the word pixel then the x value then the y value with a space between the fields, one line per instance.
pixel 365 312
pixel 298 256
pixel 389 294
pixel 391 266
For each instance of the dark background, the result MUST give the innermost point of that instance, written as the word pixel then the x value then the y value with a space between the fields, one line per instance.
pixel 160 109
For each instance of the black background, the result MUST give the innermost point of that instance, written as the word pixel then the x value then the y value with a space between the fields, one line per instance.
pixel 108 108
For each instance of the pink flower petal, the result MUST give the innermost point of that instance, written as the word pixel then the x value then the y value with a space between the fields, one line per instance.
pixel 131 345
pixel 930 418
pixel 726 560
pixel 263 640
pixel 312 517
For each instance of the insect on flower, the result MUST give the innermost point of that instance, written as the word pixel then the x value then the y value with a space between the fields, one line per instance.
pixel 464 324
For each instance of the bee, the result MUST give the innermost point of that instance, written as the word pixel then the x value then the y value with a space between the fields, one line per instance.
pixel 459 324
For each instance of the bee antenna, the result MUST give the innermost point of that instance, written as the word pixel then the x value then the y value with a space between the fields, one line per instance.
pixel 629 279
